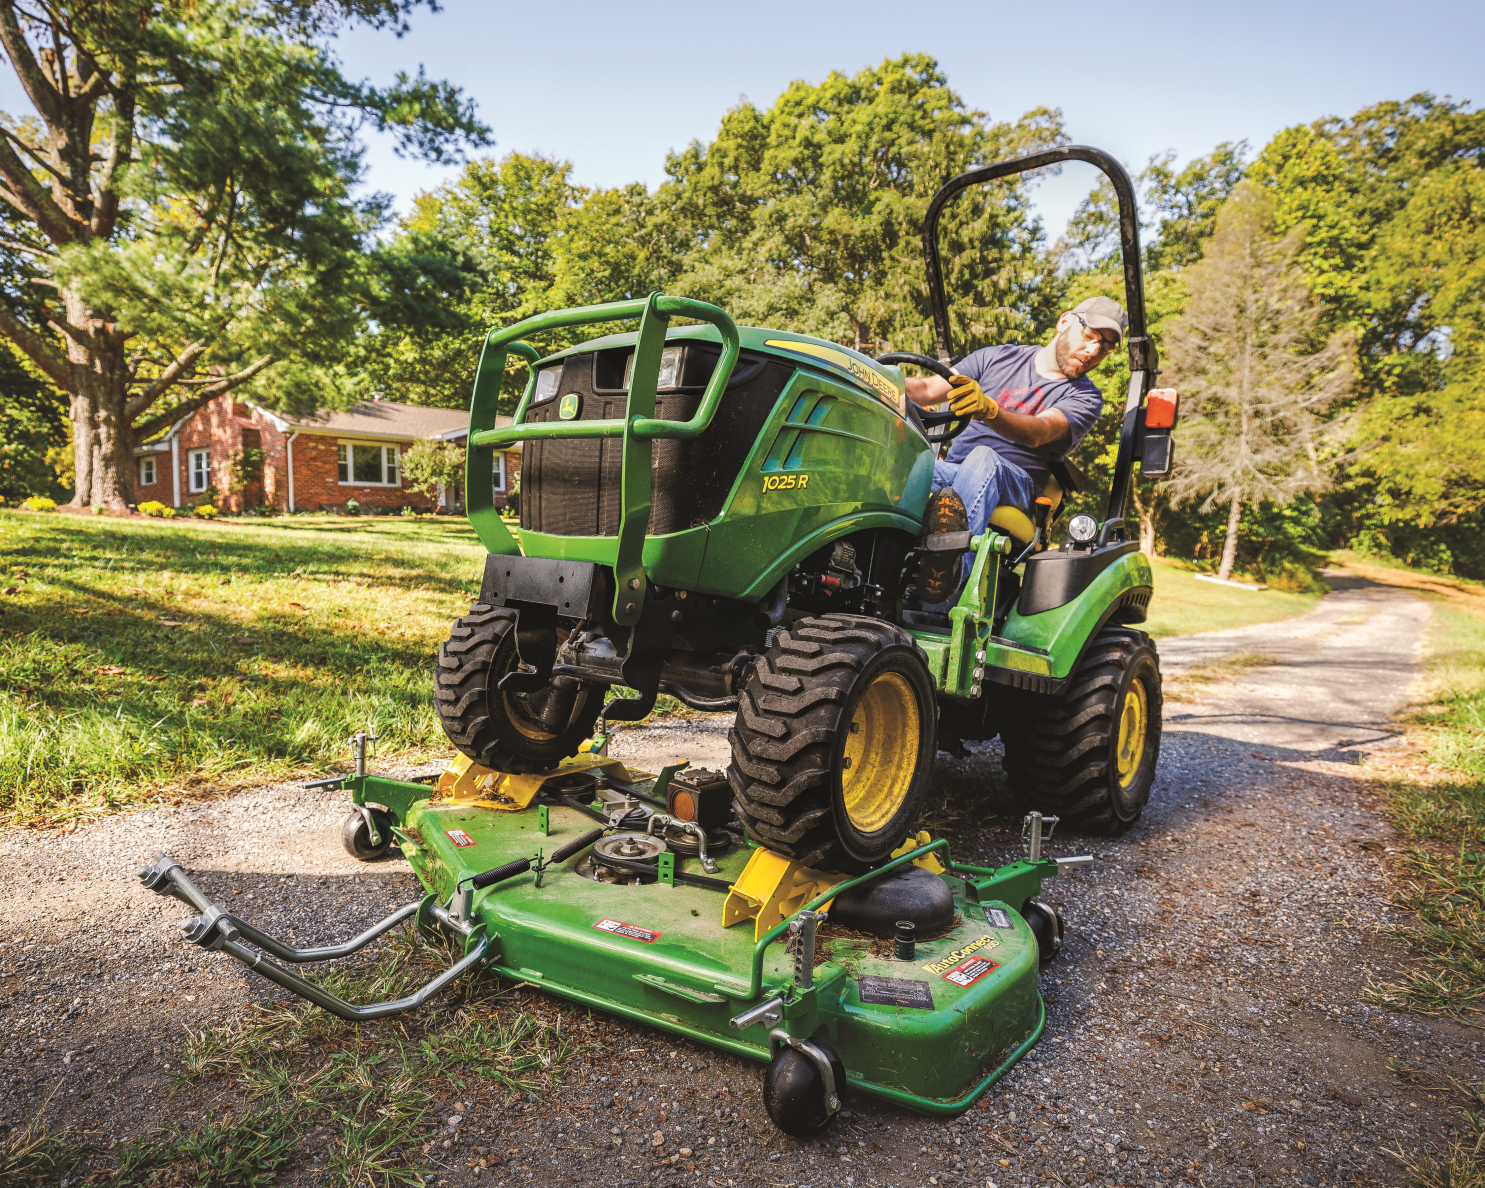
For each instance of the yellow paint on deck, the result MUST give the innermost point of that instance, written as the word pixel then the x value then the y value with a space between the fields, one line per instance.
pixel 772 888
pixel 467 784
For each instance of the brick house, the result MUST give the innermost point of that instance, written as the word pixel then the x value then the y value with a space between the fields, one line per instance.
pixel 311 463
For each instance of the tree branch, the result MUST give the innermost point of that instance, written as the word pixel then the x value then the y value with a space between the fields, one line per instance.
pixel 52 363
pixel 40 90
pixel 149 428
pixel 29 197
pixel 182 363
pixel 120 151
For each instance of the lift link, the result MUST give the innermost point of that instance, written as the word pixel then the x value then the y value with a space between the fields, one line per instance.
pixel 217 932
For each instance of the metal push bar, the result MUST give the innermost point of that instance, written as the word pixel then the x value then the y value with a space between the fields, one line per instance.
pixel 639 426
pixel 1143 361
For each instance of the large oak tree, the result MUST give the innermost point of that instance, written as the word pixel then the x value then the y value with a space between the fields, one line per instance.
pixel 184 192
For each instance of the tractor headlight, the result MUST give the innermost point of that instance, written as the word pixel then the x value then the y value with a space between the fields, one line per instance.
pixel 670 369
pixel 547 381
pixel 1082 528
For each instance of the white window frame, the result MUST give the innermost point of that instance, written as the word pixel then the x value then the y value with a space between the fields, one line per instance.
pixel 500 487
pixel 148 463
pixel 345 456
pixel 204 456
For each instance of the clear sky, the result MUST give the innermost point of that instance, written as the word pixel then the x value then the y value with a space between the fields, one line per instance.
pixel 613 87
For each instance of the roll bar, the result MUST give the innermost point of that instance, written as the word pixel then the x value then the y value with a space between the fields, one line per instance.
pixel 1143 360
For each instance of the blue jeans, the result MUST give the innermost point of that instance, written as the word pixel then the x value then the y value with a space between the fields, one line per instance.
pixel 984 481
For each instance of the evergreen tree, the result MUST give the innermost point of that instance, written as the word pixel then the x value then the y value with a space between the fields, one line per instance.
pixel 1256 379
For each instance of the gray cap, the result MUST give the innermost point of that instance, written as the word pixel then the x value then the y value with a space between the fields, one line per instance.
pixel 1102 313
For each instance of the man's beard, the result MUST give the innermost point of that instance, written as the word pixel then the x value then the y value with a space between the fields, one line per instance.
pixel 1067 362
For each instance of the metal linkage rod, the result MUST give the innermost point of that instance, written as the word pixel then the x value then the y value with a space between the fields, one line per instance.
pixel 215 931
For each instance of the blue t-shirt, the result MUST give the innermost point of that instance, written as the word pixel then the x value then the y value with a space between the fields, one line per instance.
pixel 1008 375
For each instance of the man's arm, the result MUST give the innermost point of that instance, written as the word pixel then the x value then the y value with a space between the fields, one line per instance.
pixel 1045 428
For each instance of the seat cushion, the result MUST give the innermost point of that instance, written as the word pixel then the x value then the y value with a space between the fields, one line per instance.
pixel 1014 522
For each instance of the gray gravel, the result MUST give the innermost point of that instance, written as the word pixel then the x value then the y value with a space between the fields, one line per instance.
pixel 1204 1025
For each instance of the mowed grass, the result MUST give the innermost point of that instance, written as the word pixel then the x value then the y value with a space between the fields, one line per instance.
pixel 1182 605
pixel 142 659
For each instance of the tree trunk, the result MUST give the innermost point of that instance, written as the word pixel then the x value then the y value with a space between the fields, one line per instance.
pixel 1229 546
pixel 103 443
pixel 1147 520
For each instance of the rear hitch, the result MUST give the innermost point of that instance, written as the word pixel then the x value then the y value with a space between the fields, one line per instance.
pixel 217 931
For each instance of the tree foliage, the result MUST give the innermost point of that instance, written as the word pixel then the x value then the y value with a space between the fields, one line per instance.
pixel 184 190
pixel 1257 378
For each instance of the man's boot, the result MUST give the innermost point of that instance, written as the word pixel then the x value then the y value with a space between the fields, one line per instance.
pixel 938 573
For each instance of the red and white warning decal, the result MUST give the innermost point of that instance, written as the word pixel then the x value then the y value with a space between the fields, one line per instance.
pixel 970 970
pixel 459 837
pixel 632 931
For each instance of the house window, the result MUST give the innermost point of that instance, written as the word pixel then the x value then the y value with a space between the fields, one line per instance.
pixel 362 465
pixel 146 472
pixel 500 472
pixel 199 468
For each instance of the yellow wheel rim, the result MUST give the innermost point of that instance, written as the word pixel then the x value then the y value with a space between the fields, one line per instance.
pixel 881 752
pixel 1134 719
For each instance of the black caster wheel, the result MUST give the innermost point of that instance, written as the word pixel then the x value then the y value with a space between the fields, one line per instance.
pixel 794 1091
pixel 356 838
pixel 1046 926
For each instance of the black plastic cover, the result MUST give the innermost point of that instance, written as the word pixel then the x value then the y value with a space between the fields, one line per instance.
pixel 910 893
pixel 1055 578
pixel 574 588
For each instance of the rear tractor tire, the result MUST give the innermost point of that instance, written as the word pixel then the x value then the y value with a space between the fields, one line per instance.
pixel 833 746
pixel 505 731
pixel 1088 755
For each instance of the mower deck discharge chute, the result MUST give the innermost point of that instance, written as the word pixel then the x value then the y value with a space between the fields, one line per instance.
pixel 734 516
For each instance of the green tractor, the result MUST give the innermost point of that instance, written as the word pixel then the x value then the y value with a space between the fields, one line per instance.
pixel 734 516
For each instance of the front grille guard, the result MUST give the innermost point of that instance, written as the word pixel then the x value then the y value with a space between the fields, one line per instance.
pixel 638 428
pixel 217 931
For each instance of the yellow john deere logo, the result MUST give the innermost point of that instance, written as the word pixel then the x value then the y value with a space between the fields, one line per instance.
pixel 859 370
pixel 958 955
pixel 569 406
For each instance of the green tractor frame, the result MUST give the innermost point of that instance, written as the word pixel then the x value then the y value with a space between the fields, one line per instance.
pixel 734 516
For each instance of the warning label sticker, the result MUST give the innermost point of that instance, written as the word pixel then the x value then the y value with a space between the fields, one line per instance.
pixel 998 918
pixel 902 992
pixel 632 931
pixel 970 970
pixel 459 837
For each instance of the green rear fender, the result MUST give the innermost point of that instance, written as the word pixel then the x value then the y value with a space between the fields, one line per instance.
pixel 1064 631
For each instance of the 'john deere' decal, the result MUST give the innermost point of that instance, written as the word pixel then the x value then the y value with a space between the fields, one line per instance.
pixel 950 960
pixel 859 370
pixel 569 406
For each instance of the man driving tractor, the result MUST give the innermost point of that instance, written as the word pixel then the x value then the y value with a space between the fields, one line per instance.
pixel 1043 405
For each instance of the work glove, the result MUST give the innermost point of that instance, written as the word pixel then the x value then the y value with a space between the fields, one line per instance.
pixel 967 399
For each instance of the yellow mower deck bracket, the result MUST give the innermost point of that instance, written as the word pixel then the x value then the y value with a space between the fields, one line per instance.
pixel 772 888
pixel 466 783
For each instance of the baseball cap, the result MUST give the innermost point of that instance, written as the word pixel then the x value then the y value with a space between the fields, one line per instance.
pixel 1102 313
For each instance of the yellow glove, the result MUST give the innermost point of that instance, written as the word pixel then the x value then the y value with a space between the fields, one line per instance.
pixel 967 399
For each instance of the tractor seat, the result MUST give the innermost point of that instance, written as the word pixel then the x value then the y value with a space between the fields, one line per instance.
pixel 1015 523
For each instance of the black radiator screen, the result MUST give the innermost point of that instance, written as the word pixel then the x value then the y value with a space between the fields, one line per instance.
pixel 571 488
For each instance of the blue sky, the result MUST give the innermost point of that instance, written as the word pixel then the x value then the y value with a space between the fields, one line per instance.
pixel 612 87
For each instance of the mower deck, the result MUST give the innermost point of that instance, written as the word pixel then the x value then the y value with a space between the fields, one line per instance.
pixel 931 1032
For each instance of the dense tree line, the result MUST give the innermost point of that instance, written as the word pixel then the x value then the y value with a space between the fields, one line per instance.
pixel 1343 263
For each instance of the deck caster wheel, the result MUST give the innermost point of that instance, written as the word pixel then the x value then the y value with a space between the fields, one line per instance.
pixel 1046 926
pixel 796 1095
pixel 355 835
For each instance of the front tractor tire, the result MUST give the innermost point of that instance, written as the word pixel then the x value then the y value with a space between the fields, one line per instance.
pixel 510 732
pixel 1088 755
pixel 834 741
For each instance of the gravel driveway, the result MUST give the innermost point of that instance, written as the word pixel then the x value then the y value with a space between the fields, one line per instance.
pixel 1203 1022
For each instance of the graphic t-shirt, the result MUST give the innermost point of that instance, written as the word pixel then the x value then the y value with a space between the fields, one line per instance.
pixel 1008 375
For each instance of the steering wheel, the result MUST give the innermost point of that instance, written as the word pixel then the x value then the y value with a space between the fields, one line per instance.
pixel 952 425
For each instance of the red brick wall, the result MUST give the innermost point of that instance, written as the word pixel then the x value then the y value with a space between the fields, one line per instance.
pixel 159 490
pixel 317 485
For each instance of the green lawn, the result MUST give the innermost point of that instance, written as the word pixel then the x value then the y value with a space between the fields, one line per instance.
pixel 141 658
pixel 1183 606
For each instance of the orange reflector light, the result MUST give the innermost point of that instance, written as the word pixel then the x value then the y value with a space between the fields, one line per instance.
pixel 1160 408
pixel 1044 499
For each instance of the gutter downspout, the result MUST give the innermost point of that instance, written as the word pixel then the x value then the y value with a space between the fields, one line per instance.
pixel 175 468
pixel 289 452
